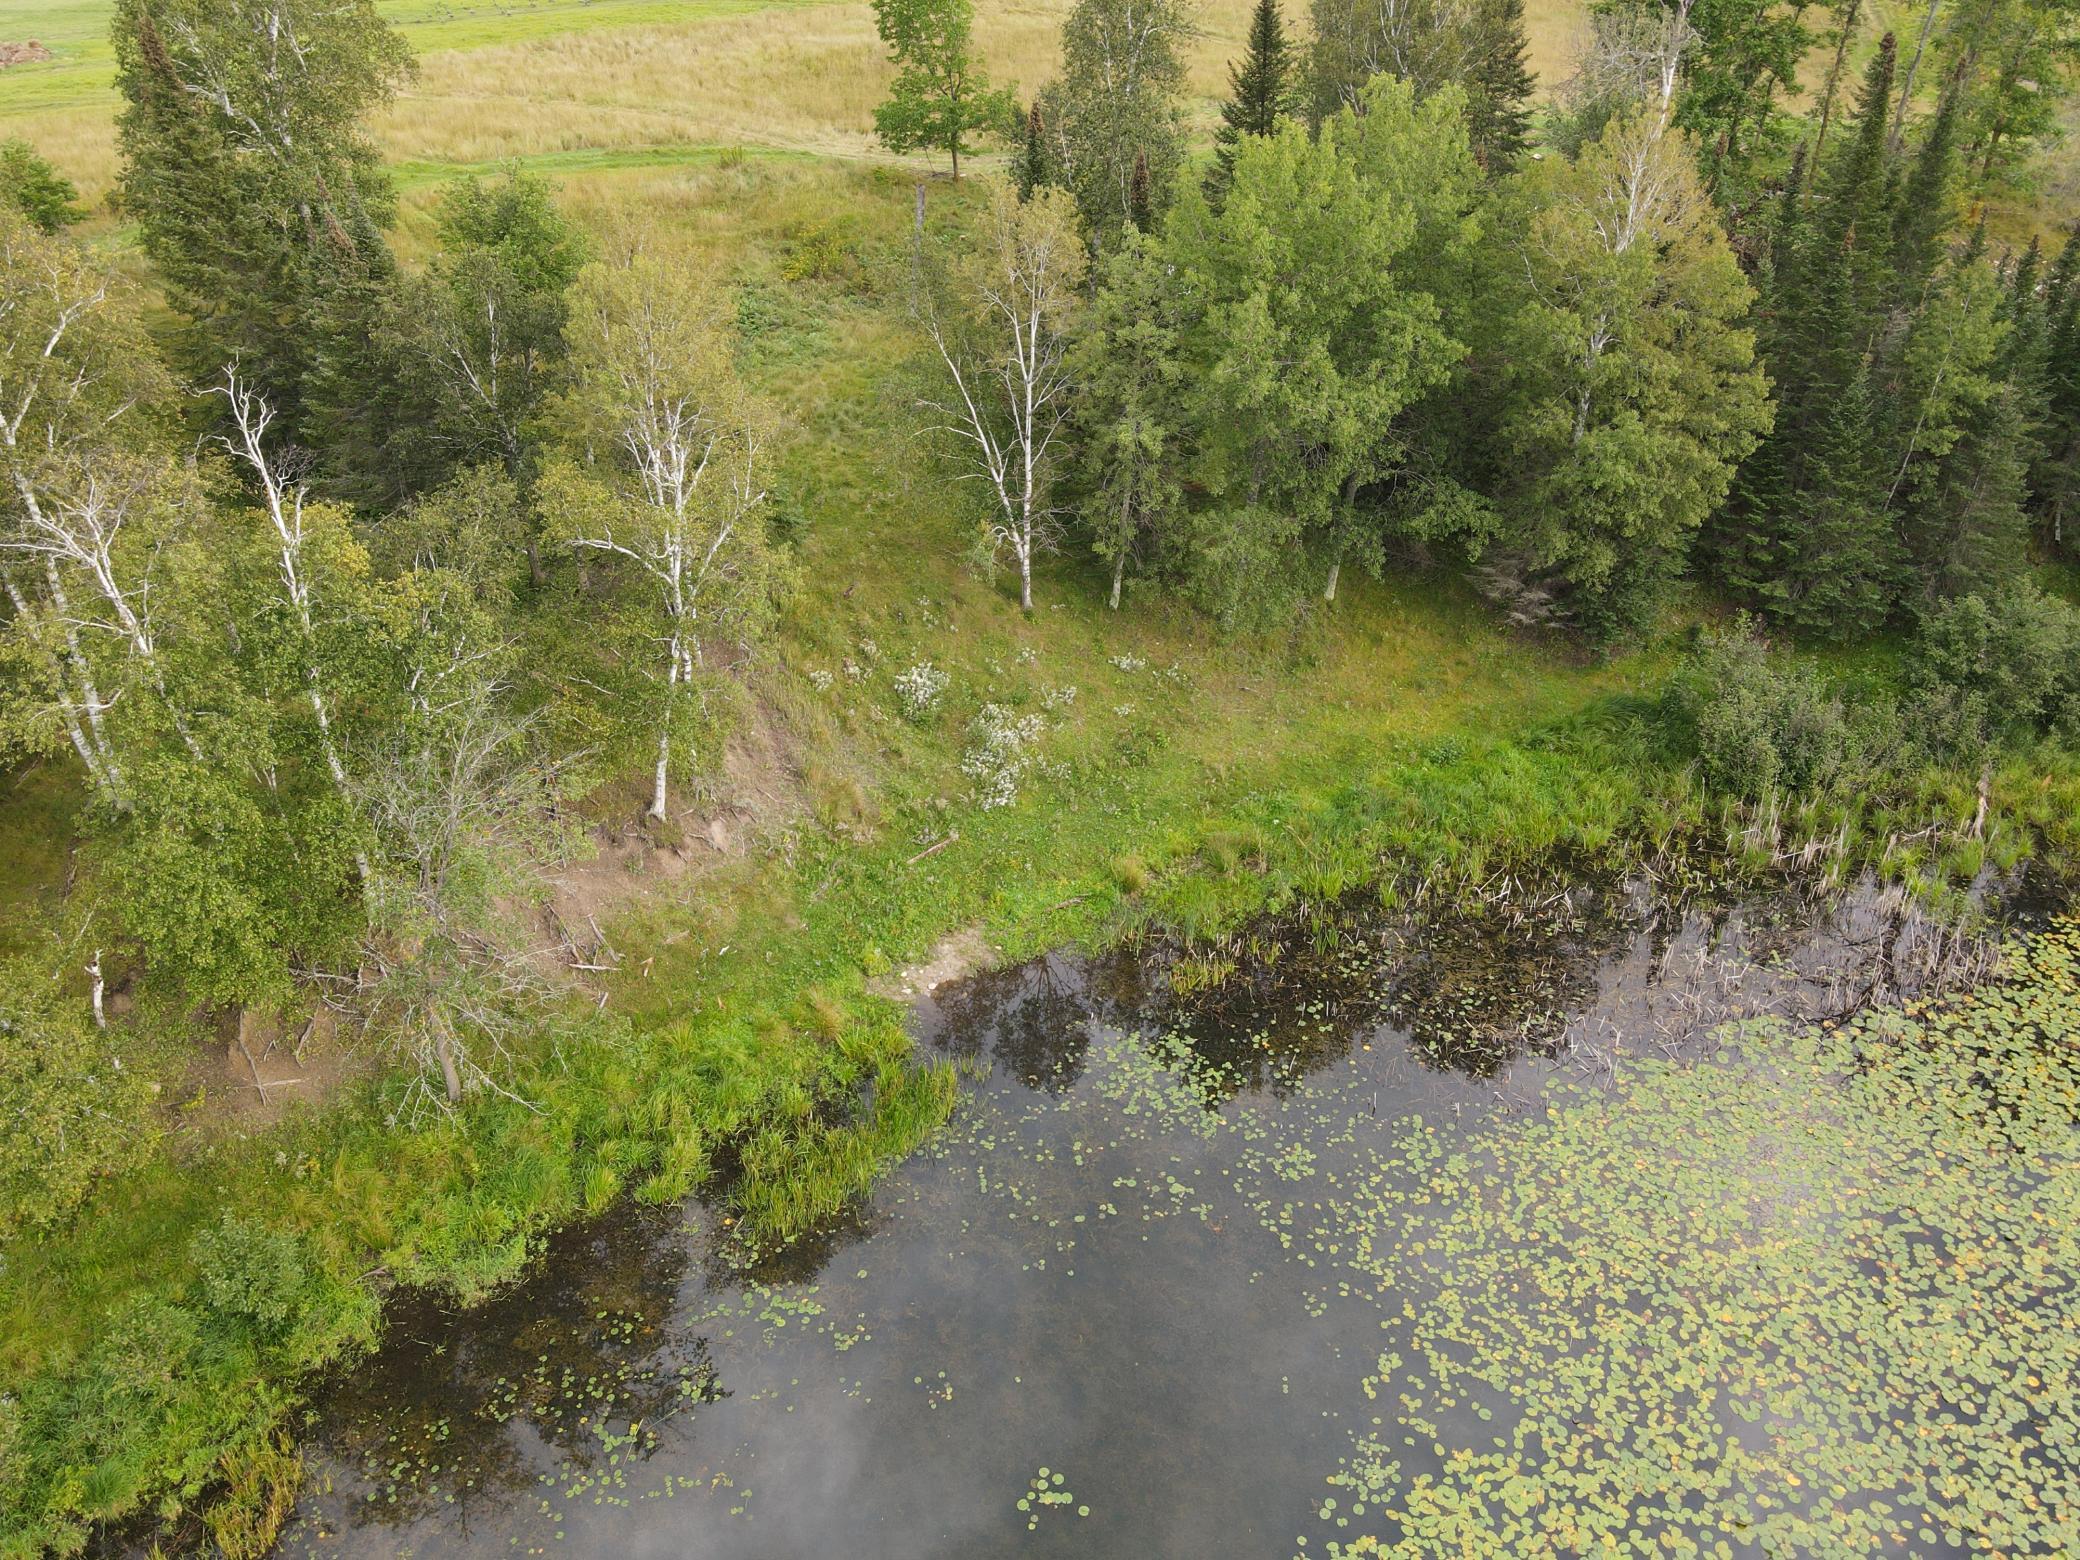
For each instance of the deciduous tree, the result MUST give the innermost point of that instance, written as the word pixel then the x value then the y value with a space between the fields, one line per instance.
pixel 1000 316
pixel 667 487
pixel 941 96
pixel 1115 108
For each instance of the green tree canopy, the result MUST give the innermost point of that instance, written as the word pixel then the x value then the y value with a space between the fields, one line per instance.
pixel 941 96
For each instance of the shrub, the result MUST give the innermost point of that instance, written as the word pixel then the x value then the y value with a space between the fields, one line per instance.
pixel 1757 722
pixel 252 1274
pixel 69 1111
pixel 1001 748
pixel 1985 668
pixel 34 188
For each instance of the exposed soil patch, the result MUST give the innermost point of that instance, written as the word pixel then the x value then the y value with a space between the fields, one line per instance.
pixel 758 795
pixel 29 53
pixel 954 957
pixel 263 1066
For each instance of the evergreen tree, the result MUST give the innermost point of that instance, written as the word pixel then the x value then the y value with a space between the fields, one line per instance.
pixel 1968 514
pixel 2055 473
pixel 1031 171
pixel 258 197
pixel 1498 83
pixel 1850 244
pixel 475 341
pixel 1928 205
pixel 1140 199
pixel 1261 93
pixel 1838 575
pixel 1958 429
pixel 1797 515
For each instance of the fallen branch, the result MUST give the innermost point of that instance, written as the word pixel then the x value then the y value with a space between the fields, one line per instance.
pixel 933 850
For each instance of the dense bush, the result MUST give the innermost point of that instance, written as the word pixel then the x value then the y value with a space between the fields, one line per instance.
pixel 1988 668
pixel 69 1112
pixel 1757 722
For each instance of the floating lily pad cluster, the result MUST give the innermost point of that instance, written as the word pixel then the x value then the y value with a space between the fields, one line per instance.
pixel 1821 1298
pixel 1046 1491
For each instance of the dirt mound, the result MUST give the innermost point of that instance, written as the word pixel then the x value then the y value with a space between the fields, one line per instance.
pixel 28 53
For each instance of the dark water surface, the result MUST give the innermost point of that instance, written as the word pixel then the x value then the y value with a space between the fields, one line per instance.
pixel 1101 1315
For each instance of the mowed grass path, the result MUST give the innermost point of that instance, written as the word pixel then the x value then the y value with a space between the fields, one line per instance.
pixel 549 79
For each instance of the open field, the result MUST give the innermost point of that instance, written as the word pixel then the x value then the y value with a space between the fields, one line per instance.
pixel 550 80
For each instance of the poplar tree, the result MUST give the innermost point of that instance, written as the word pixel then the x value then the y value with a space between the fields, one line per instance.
pixel 1132 445
pixel 1629 388
pixel 1262 93
pixel 1309 341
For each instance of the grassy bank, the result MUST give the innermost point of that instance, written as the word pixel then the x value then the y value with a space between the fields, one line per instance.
pixel 1409 741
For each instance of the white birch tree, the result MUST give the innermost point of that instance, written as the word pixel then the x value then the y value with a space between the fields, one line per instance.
pixel 1000 321
pixel 669 487
pixel 77 380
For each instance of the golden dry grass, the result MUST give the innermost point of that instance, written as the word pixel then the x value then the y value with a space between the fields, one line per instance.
pixel 799 78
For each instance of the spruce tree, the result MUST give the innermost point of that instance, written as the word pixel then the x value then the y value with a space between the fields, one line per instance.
pixel 263 211
pixel 1967 522
pixel 2055 474
pixel 1811 536
pixel 1261 92
pixel 1927 207
pixel 1851 238
pixel 1140 199
pixel 1498 85
pixel 1029 172
pixel 1840 568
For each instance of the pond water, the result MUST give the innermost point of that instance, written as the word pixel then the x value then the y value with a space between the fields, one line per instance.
pixel 1148 1293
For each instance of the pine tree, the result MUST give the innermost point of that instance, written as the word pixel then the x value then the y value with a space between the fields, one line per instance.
pixel 1498 85
pixel 1261 92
